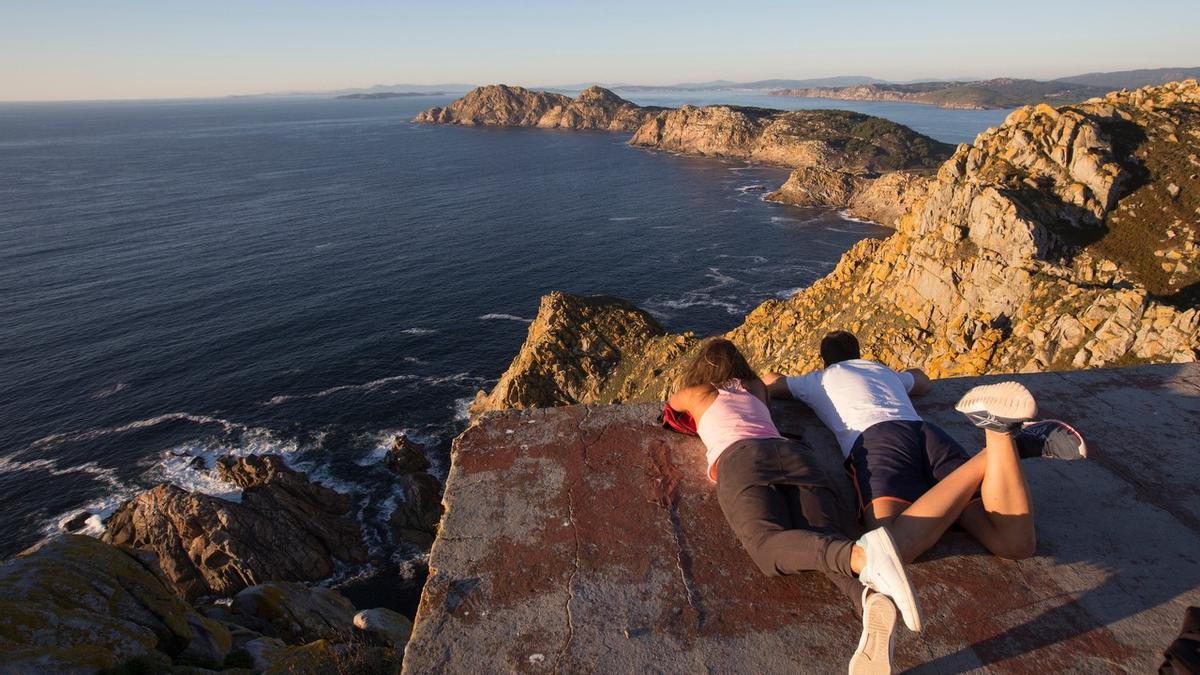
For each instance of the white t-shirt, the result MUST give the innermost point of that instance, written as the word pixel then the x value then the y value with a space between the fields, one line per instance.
pixel 853 395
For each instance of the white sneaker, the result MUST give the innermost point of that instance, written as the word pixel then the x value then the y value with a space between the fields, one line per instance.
pixel 884 573
pixel 874 653
pixel 1000 407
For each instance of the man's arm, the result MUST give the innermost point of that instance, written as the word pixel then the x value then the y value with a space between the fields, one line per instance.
pixel 921 382
pixel 777 386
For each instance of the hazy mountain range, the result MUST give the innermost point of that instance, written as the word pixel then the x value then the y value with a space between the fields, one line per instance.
pixel 1124 79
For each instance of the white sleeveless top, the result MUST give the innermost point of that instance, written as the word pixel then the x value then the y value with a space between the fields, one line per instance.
pixel 735 415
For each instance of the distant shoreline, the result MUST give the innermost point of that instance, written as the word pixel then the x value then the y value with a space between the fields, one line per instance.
pixel 389 94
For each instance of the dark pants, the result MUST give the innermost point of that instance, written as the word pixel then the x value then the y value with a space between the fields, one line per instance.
pixel 782 506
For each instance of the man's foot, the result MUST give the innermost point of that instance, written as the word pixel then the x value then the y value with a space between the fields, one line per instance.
pixel 874 653
pixel 884 572
pixel 998 407
pixel 1050 438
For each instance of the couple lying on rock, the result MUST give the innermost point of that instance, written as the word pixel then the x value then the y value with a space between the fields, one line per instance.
pixel 912 479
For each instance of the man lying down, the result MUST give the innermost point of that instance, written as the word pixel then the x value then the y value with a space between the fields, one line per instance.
pixel 912 480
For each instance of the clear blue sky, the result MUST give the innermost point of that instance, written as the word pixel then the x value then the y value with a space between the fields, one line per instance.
pixel 53 49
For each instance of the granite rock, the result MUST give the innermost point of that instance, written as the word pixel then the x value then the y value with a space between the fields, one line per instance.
pixel 284 527
pixel 1049 243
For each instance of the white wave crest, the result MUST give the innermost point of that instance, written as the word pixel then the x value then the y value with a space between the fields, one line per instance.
pixel 418 331
pixel 93 434
pixel 109 391
pixel 845 215
pixel 504 317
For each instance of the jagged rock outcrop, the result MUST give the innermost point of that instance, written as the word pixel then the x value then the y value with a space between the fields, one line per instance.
pixel 573 351
pixel 880 199
pixel 502 105
pixel 829 139
pixel 1065 238
pixel 73 604
pixel 415 517
pixel 285 527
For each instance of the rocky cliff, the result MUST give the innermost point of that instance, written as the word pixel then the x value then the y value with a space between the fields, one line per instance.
pixel 830 139
pixel 858 145
pixel 882 200
pixel 588 539
pixel 1065 238
pixel 502 105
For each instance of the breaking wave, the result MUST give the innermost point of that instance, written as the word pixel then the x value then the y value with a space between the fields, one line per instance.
pixel 504 317
pixel 93 434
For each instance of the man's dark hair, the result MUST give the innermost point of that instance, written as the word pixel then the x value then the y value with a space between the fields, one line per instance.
pixel 839 346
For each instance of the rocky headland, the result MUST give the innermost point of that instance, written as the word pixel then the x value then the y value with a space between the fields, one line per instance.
pixel 997 93
pixel 813 142
pixel 1065 238
pixel 504 106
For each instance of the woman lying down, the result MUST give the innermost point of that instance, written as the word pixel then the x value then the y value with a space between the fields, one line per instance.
pixel 785 509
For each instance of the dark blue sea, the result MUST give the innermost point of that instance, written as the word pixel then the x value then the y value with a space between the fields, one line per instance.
pixel 181 280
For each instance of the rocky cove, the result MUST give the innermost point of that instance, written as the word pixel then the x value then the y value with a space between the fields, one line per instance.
pixel 1066 238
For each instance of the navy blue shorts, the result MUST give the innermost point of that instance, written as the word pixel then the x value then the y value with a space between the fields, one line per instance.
pixel 900 461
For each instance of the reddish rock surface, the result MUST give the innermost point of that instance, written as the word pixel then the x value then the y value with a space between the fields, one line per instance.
pixel 587 539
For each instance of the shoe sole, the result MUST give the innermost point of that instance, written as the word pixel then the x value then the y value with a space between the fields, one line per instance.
pixel 874 653
pixel 910 592
pixel 1008 400
pixel 1083 448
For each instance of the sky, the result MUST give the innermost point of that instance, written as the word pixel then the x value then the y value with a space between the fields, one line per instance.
pixel 60 50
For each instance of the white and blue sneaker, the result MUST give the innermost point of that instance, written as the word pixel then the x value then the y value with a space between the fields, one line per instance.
pixel 884 573
pixel 1003 407
pixel 874 653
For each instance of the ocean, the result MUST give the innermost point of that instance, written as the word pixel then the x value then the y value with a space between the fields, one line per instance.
pixel 185 279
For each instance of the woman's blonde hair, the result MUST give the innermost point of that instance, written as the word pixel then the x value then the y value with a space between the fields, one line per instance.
pixel 718 360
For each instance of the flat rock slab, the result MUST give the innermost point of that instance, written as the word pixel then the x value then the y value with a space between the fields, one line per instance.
pixel 587 539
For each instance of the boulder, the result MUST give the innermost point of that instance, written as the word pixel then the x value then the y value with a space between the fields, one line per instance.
pixel 415 518
pixel 293 612
pixel 285 527
pixel 384 627
pixel 406 456
pixel 320 657
pixel 75 604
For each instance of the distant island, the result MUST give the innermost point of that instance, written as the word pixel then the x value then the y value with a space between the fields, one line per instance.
pixel 389 94
pixel 978 95
pixel 997 93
